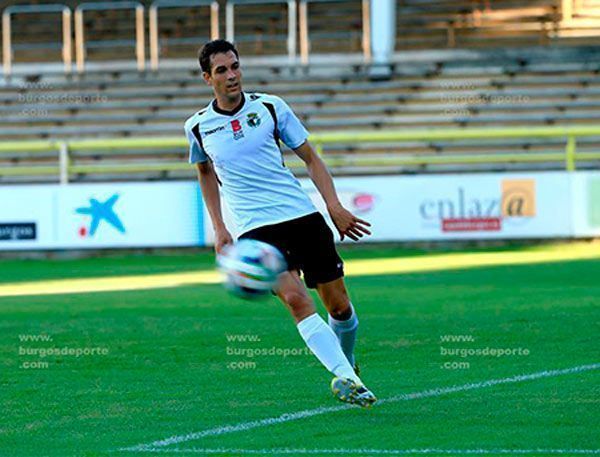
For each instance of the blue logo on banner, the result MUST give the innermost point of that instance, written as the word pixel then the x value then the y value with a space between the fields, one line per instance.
pixel 99 212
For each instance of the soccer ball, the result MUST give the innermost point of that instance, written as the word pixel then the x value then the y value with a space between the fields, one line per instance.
pixel 251 267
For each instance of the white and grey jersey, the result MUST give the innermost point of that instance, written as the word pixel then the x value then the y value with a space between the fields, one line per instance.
pixel 243 146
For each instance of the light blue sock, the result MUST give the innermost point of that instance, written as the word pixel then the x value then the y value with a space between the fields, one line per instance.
pixel 346 333
pixel 321 340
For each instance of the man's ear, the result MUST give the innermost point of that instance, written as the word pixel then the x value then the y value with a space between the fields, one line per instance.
pixel 206 77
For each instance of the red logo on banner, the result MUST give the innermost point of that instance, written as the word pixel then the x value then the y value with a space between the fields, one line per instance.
pixel 363 202
pixel 480 224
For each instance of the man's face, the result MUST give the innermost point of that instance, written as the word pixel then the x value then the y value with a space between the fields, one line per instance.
pixel 225 75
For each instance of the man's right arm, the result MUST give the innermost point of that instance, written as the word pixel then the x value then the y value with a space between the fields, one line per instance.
pixel 210 193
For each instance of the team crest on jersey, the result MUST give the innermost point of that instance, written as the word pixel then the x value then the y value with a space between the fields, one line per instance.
pixel 253 120
pixel 236 127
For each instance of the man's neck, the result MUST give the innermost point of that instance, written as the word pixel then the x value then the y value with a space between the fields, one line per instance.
pixel 229 104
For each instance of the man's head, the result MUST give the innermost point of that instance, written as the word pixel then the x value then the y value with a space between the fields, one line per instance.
pixel 219 61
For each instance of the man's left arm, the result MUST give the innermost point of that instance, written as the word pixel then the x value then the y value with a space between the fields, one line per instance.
pixel 347 223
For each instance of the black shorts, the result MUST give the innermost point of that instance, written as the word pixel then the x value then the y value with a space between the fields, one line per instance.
pixel 307 245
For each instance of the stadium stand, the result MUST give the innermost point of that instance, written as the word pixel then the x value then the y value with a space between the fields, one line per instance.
pixel 421 24
pixel 458 85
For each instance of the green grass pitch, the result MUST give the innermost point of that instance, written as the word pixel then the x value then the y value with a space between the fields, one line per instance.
pixel 187 362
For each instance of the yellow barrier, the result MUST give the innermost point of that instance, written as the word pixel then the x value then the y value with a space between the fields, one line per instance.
pixel 65 168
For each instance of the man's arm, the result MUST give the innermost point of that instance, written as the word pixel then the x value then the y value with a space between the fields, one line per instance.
pixel 210 193
pixel 346 223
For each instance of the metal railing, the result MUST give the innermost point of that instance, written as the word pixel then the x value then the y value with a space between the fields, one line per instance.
pixel 304 28
pixel 298 17
pixel 64 169
pixel 161 4
pixel 7 50
pixel 292 38
pixel 295 17
pixel 105 6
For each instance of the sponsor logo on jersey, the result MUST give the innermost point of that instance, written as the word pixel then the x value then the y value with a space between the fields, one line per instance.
pixel 253 120
pixel 236 126
pixel 215 130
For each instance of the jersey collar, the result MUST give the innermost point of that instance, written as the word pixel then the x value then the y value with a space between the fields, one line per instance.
pixel 234 111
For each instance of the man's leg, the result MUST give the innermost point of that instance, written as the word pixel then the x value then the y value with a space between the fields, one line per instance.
pixel 342 317
pixel 319 337
pixel 344 323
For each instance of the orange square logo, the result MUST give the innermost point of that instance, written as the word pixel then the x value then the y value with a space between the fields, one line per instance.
pixel 518 198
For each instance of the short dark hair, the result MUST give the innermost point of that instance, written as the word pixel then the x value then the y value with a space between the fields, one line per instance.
pixel 214 47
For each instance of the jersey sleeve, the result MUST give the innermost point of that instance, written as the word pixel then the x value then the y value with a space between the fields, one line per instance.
pixel 291 130
pixel 197 154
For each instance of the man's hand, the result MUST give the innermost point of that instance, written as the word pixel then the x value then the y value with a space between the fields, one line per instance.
pixel 222 239
pixel 347 223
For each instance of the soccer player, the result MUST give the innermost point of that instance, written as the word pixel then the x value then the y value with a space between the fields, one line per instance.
pixel 235 144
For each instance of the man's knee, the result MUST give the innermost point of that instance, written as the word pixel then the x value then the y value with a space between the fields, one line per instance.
pixel 296 299
pixel 338 304
pixel 300 304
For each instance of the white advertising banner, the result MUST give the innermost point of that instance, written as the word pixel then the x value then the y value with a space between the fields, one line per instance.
pixel 400 208
pixel 101 215
pixel 26 217
pixel 475 206
pixel 461 206
pixel 586 203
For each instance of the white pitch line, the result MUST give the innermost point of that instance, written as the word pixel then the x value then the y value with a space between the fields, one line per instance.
pixel 238 428
pixel 244 426
pixel 289 451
